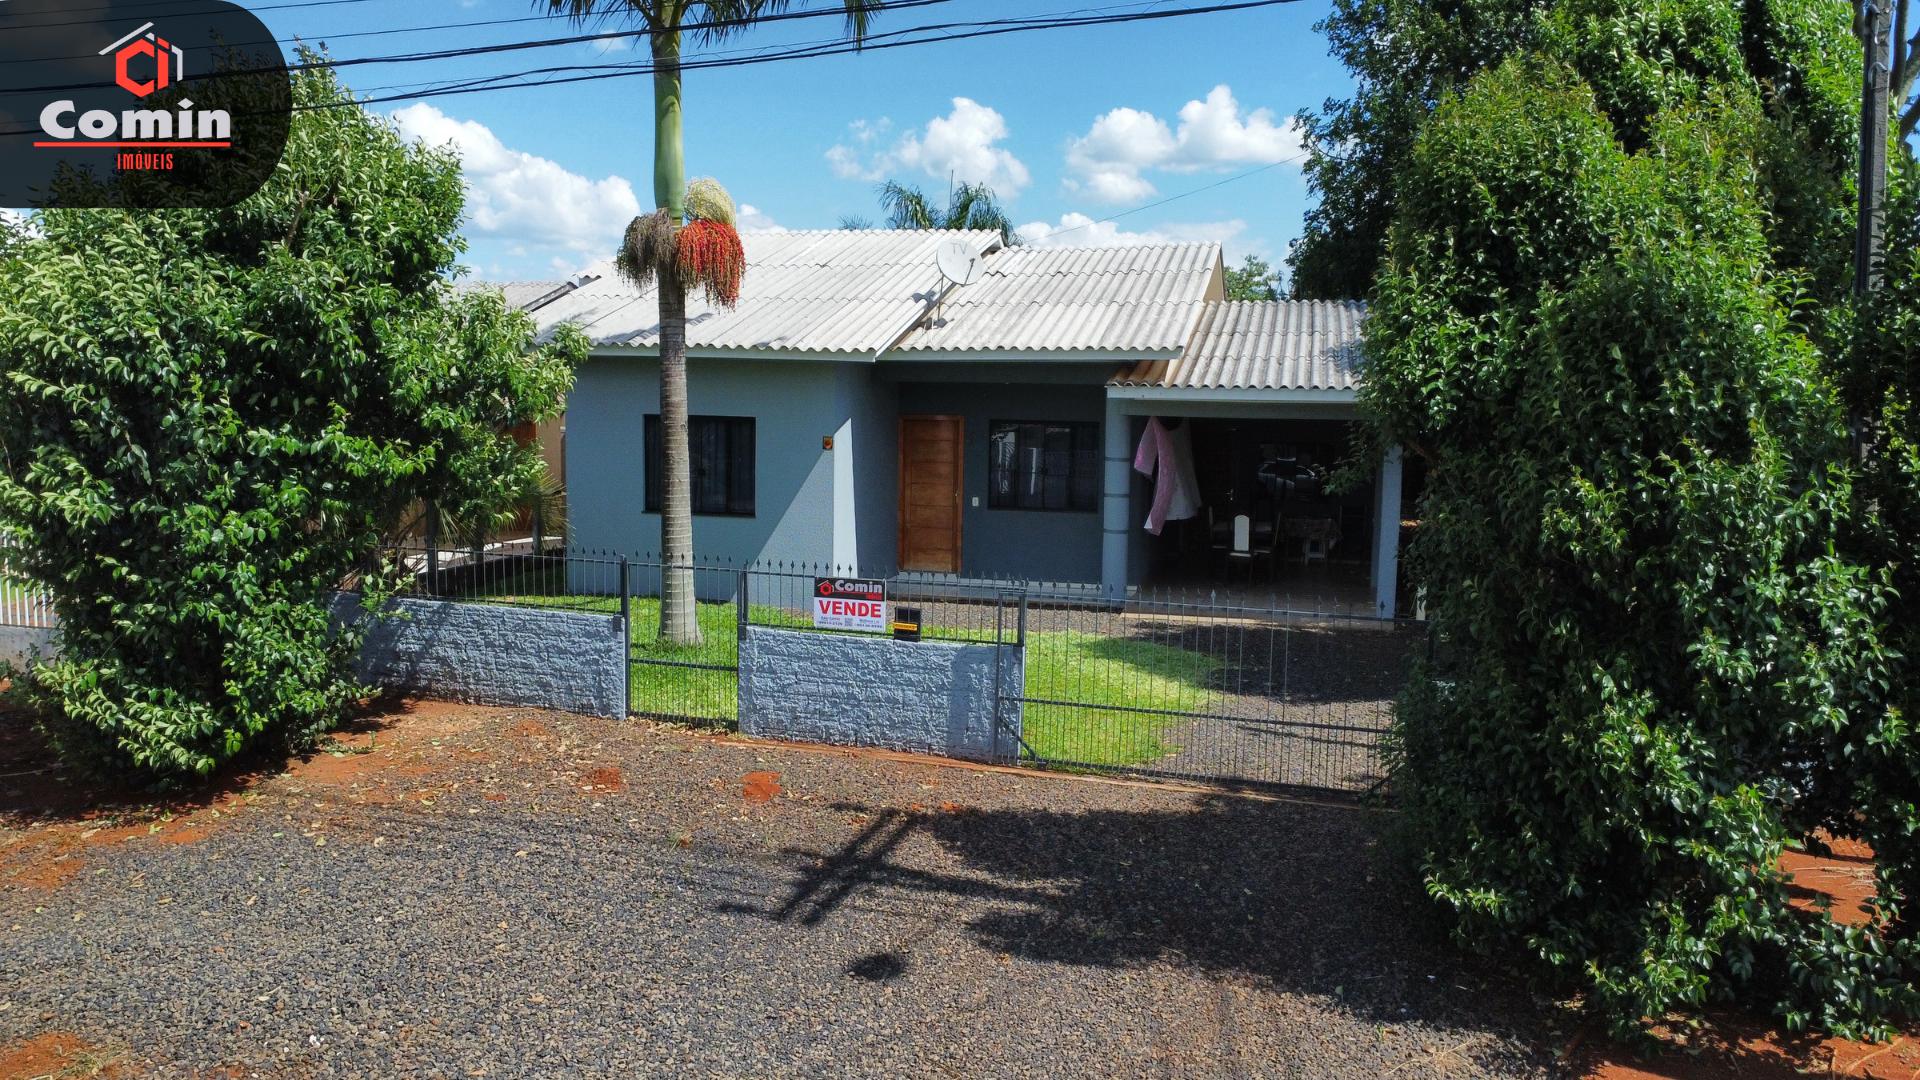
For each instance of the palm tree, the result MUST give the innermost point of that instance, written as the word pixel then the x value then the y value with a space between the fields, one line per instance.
pixel 664 20
pixel 969 206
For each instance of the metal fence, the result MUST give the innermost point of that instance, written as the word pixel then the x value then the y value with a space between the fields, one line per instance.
pixel 1197 689
pixel 1168 684
pixel 21 603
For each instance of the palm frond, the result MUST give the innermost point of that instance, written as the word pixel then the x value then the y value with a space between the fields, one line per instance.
pixel 906 207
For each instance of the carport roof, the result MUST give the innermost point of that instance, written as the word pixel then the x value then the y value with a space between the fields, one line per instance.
pixel 1270 345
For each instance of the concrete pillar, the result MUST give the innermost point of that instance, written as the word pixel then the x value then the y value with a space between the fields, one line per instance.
pixel 1386 535
pixel 1116 487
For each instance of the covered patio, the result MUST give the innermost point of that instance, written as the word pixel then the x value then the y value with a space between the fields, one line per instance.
pixel 1259 412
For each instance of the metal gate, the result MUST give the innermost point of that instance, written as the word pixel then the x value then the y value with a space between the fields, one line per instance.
pixel 1197 687
pixel 695 684
pixel 1219 692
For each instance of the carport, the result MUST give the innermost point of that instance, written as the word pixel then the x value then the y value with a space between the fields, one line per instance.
pixel 1266 392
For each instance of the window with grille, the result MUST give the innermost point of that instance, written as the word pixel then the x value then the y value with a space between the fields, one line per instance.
pixel 1043 465
pixel 721 448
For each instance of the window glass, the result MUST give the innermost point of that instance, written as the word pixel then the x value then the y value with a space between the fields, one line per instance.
pixel 721 449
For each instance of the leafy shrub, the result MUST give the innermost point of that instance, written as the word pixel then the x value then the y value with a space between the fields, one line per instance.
pixel 207 418
pixel 1659 672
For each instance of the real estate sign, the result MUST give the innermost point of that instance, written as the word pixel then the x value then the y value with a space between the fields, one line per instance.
pixel 850 604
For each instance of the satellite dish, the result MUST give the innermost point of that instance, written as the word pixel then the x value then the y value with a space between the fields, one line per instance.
pixel 958 262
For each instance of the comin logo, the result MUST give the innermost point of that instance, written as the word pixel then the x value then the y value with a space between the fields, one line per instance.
pixel 143 129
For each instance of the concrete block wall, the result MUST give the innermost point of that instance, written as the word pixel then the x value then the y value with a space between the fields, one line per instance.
pixel 18 644
pixel 854 690
pixel 491 654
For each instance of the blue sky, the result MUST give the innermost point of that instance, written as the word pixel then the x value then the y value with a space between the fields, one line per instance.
pixel 1071 126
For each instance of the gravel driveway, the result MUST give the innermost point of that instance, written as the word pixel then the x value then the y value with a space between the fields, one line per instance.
pixel 484 892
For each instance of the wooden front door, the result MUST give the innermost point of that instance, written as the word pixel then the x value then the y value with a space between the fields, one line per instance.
pixel 930 448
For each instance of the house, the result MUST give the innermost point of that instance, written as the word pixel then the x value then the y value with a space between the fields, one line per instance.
pixel 859 411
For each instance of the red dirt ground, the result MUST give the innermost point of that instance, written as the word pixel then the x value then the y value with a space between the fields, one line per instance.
pixel 49 823
pixel 1735 1050
pixel 605 778
pixel 52 1054
pixel 760 787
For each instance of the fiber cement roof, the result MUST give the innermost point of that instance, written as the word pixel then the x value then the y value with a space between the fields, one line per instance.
pixel 1263 345
pixel 854 293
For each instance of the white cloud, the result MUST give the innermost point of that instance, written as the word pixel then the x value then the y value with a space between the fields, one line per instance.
pixel 1108 163
pixel 1079 230
pixel 528 201
pixel 752 217
pixel 963 144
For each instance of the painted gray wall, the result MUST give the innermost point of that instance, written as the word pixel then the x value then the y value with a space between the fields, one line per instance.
pixel 1042 545
pixel 811 504
pixel 19 644
pixel 492 654
pixel 794 404
pixel 855 690
pixel 867 480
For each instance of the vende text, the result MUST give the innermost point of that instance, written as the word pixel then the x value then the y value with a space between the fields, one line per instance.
pixel 858 609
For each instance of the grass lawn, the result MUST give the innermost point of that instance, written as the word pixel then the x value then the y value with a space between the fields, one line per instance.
pixel 699 682
pixel 1109 671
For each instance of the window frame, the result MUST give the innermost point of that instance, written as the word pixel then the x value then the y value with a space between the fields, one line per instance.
pixel 653 481
pixel 1077 430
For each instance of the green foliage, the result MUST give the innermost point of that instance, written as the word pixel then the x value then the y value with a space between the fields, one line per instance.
pixel 208 417
pixel 1796 58
pixel 1884 384
pixel 970 206
pixel 1254 280
pixel 13 234
pixel 1657 673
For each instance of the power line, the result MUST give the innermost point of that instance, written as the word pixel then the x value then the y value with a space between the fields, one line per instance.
pixel 872 43
pixel 521 46
pixel 791 50
pixel 296 39
pixel 169 3
pixel 942 33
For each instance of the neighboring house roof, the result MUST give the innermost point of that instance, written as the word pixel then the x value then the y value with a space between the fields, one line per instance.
pixel 1259 345
pixel 829 291
pixel 527 296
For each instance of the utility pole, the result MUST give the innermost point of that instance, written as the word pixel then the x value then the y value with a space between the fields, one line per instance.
pixel 1875 76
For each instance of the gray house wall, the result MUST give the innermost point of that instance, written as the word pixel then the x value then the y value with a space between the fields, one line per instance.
pixel 837 507
pixel 867 473
pixel 1042 545
pixel 794 405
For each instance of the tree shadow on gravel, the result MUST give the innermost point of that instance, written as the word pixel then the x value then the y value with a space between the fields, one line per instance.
pixel 1294 896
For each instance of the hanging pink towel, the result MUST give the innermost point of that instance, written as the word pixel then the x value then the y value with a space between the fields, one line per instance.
pixel 1169 454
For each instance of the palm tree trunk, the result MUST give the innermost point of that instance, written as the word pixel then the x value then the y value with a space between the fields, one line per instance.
pixel 679 622
pixel 679 617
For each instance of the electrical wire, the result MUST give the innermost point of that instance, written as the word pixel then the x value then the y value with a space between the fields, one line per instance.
pixel 941 33
pixel 872 42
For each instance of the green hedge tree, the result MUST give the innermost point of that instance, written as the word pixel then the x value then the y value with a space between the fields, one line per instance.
pixel 1410 56
pixel 1656 672
pixel 1884 383
pixel 208 417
